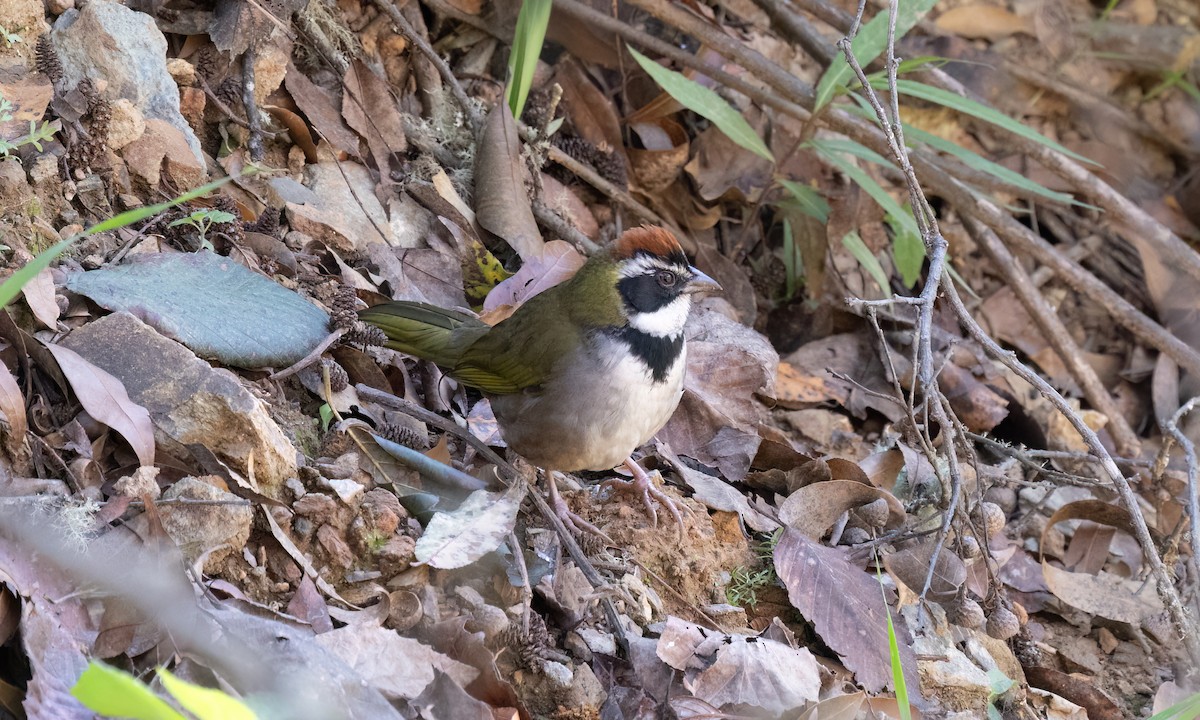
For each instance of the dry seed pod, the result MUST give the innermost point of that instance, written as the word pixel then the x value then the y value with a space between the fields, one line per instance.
pixel 965 612
pixel 1003 623
pixel 854 536
pixel 874 514
pixel 993 518
pixel 1021 613
pixel 968 547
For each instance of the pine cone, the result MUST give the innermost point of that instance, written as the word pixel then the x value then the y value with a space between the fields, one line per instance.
pixel 47 60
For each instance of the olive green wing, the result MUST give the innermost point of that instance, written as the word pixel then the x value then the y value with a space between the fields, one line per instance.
pixel 521 352
pixel 517 354
pixel 425 331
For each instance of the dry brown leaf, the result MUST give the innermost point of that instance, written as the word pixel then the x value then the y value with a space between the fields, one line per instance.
pixel 104 398
pixel 664 151
pixel 501 202
pixel 39 293
pixel 722 169
pixel 369 108
pixel 591 111
pixel 12 406
pixel 727 364
pixel 28 97
pixel 814 508
pixel 910 565
pixel 846 607
pixel 321 110
pixel 982 22
pixel 565 202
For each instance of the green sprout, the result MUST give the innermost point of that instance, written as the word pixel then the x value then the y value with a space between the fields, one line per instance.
pixel 202 221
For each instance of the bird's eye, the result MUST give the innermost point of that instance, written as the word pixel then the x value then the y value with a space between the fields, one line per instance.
pixel 666 278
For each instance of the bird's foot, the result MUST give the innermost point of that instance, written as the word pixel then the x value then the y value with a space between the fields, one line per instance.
pixel 642 485
pixel 569 518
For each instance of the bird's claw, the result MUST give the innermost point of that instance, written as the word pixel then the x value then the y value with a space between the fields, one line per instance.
pixel 642 485
pixel 570 519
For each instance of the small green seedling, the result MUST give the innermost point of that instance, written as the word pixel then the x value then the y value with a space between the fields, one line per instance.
pixel 203 220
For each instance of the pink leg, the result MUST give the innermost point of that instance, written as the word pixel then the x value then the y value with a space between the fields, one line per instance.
pixel 573 522
pixel 643 487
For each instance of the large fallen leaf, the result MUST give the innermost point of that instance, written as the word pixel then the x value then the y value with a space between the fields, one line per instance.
pixel 458 538
pixel 846 607
pixel 717 494
pixel 814 508
pixel 211 304
pixel 501 202
pixel 105 399
pixel 400 667
pixel 735 670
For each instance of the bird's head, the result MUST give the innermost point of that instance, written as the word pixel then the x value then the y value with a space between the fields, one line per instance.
pixel 655 281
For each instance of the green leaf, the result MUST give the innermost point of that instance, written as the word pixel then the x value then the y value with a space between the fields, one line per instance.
pixel 908 252
pixel 1183 710
pixel 527 46
pixel 705 103
pixel 108 691
pixel 978 162
pixel 12 286
pixel 211 304
pixel 869 44
pixel 866 258
pixel 978 110
pixel 828 149
pixel 205 703
pixel 807 199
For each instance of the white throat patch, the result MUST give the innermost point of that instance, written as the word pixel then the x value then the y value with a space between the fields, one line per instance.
pixel 667 321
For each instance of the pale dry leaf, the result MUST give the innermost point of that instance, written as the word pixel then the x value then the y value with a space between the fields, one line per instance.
pixel 559 262
pixel 460 537
pixel 982 21
pixel 39 293
pixel 400 667
pixel 369 108
pixel 752 670
pixel 104 398
pixel 12 405
pixel 910 565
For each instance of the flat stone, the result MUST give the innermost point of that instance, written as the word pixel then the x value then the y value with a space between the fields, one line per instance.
pixel 189 400
pixel 329 211
pixel 123 48
pixel 162 148
pixel 219 529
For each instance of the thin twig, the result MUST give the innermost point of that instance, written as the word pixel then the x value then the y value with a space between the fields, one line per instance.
pixel 469 107
pixel 1193 492
pixel 1056 334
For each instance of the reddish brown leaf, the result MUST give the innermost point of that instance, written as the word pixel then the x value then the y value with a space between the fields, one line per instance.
pixel 846 607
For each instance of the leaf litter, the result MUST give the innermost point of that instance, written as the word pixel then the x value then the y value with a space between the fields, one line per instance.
pixel 797 411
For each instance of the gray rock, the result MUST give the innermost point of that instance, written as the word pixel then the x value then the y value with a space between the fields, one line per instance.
pixel 125 54
pixel 189 400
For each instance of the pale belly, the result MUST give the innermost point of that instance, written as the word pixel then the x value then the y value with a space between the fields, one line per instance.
pixel 593 418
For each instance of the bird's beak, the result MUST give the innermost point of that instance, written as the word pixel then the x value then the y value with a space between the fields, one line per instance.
pixel 701 283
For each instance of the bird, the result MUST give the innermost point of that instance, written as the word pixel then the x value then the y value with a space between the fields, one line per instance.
pixel 582 374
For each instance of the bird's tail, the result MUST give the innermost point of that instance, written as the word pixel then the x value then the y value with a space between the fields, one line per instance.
pixel 425 331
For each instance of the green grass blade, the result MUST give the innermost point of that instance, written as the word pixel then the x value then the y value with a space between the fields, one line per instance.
pixel 205 703
pixel 109 691
pixel 869 44
pixel 706 103
pixel 852 242
pixel 527 46
pixel 978 110
pixel 831 150
pixel 1185 709
pixel 807 199
pixel 11 287
pixel 978 162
